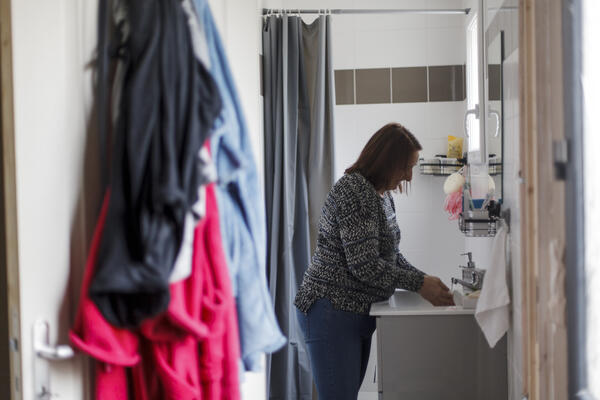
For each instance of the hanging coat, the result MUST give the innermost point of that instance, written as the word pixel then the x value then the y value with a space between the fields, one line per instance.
pixel 113 348
pixel 191 352
pixel 241 209
pixel 195 344
pixel 167 108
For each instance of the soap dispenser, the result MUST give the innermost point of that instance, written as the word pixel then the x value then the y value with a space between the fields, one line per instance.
pixel 470 263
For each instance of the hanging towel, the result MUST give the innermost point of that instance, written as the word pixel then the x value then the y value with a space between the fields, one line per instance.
pixel 492 312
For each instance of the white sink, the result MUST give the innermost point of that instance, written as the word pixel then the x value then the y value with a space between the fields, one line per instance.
pixel 409 300
pixel 404 302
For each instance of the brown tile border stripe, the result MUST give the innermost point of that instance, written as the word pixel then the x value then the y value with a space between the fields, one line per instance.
pixel 373 86
pixel 409 85
pixel 344 86
pixel 400 85
pixel 446 83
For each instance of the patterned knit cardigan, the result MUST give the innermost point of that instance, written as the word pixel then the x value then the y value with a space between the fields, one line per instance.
pixel 357 260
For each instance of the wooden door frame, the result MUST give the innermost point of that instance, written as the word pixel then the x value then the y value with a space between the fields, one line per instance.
pixel 542 110
pixel 9 263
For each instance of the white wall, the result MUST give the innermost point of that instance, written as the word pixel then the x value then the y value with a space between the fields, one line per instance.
pixel 403 40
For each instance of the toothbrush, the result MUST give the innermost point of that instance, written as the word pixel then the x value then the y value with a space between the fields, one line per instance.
pixel 467 195
pixel 486 201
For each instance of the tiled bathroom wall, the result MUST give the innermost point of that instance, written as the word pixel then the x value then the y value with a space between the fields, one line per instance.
pixel 409 69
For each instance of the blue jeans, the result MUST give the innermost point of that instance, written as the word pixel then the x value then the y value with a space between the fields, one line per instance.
pixel 339 343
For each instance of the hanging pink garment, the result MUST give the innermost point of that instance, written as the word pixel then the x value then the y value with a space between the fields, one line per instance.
pixel 195 344
pixel 190 352
pixel 220 351
pixel 114 348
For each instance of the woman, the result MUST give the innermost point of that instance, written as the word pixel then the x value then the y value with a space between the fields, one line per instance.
pixel 357 262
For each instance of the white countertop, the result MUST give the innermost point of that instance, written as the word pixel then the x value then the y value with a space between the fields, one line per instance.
pixel 410 303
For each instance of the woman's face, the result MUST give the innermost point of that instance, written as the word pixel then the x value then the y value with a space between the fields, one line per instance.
pixel 406 175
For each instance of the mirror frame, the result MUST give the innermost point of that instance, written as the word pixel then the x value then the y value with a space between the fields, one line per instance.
pixel 489 40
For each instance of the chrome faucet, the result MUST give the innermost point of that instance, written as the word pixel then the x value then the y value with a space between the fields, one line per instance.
pixel 472 278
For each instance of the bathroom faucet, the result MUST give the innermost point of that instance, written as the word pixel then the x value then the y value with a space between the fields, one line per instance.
pixel 472 278
pixel 465 284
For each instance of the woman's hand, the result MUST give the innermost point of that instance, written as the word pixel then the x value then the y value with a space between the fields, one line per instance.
pixel 435 292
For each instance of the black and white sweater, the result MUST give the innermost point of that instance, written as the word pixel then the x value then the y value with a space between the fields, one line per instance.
pixel 357 261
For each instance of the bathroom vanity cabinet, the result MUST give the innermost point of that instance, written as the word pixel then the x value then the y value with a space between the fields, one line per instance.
pixel 432 353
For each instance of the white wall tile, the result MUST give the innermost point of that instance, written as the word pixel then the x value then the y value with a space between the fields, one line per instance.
pixel 411 115
pixel 390 3
pixel 420 259
pixel 272 3
pixel 344 23
pixel 419 198
pixel 442 265
pixel 431 147
pixel 373 49
pixel 446 46
pixel 407 47
pixel 481 247
pixel 445 21
pixel 415 230
pixel 435 4
pixel 347 143
pixel 445 118
pixel 371 117
pixel 391 21
pixel 316 4
pixel 343 50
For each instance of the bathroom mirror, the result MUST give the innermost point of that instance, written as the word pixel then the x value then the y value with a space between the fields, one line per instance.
pixel 494 108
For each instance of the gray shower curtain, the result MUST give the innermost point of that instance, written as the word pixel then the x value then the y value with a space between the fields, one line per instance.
pixel 298 124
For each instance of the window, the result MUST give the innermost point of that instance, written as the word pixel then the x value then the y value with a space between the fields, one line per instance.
pixel 472 122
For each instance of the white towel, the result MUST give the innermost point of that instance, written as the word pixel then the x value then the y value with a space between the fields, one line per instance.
pixel 492 313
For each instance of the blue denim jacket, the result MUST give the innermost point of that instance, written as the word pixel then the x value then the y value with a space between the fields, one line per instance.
pixel 241 209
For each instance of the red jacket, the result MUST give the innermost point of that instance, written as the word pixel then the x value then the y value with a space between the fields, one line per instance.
pixel 189 352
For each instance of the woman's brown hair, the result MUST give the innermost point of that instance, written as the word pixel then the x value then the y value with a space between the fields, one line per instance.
pixel 385 155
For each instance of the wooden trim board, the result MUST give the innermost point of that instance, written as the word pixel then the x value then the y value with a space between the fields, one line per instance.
pixel 542 200
pixel 10 263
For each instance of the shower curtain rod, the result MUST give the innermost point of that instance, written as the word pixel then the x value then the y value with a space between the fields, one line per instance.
pixel 267 11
